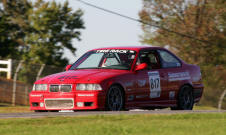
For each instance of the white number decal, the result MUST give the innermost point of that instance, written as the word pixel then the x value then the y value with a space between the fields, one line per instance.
pixel 154 82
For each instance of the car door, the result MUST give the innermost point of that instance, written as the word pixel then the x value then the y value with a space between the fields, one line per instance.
pixel 172 67
pixel 151 82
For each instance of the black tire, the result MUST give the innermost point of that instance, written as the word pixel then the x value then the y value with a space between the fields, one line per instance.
pixel 41 111
pixel 185 99
pixel 54 111
pixel 115 99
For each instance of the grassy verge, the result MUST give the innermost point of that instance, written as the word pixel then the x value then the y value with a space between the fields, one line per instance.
pixel 8 108
pixel 174 124
pixel 196 107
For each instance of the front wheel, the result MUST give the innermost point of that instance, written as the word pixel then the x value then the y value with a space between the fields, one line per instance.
pixel 185 99
pixel 115 99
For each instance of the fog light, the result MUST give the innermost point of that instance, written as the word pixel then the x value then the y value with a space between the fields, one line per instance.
pixel 41 104
pixel 79 104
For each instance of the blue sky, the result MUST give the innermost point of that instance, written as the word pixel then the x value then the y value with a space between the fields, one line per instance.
pixel 104 29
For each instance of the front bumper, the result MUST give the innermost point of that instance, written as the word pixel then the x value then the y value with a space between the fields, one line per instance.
pixel 82 100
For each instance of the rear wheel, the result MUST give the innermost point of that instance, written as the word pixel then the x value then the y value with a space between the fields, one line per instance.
pixel 115 99
pixel 185 99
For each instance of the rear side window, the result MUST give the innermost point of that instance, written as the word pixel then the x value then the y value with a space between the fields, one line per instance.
pixel 168 60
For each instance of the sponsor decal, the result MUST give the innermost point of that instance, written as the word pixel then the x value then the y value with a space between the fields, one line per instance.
pixel 62 78
pixel 141 83
pixel 40 95
pixel 171 94
pixel 85 95
pixel 141 96
pixel 130 97
pixel 154 82
pixel 114 51
pixel 129 84
pixel 178 76
pixel 129 89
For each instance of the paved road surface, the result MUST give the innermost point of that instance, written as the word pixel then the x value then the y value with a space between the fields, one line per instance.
pixel 82 113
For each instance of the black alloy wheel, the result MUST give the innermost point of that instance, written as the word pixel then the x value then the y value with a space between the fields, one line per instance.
pixel 185 99
pixel 115 99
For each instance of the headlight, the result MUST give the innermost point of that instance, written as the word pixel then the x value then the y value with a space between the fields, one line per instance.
pixel 82 86
pixel 40 87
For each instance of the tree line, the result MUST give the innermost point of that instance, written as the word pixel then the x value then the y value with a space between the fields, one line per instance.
pixel 38 31
pixel 196 31
pixel 200 19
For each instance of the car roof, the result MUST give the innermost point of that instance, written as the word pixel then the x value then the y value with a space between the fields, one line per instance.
pixel 137 48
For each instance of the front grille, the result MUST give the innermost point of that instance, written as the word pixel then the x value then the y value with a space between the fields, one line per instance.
pixel 59 103
pixel 65 88
pixel 60 88
pixel 54 88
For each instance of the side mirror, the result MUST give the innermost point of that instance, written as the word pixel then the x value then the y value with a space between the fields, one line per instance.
pixel 141 66
pixel 68 67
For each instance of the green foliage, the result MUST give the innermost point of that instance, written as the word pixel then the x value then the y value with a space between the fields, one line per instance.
pixel 13 25
pixel 214 80
pixel 55 26
pixel 146 124
pixel 6 44
pixel 39 31
pixel 200 19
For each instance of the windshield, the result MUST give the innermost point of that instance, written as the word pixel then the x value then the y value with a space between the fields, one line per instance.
pixel 105 59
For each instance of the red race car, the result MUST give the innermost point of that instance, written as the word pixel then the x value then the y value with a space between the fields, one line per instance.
pixel 120 78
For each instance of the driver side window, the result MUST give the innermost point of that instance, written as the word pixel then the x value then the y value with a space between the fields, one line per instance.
pixel 150 58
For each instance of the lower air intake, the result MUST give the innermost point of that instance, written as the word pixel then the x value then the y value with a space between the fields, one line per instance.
pixel 59 103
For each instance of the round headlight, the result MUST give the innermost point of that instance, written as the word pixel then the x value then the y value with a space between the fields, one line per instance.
pixel 80 87
pixel 89 87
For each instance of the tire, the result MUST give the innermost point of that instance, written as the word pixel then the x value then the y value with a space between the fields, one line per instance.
pixel 185 99
pixel 115 99
pixel 53 111
pixel 41 111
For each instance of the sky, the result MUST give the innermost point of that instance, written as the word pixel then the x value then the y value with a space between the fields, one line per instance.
pixel 104 29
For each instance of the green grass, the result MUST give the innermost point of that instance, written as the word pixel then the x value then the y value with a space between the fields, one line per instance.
pixel 196 107
pixel 8 108
pixel 148 124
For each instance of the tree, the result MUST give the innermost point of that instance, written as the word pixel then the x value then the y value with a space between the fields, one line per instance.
pixel 201 19
pixel 195 30
pixel 12 26
pixel 55 26
pixel 6 44
pixel 39 31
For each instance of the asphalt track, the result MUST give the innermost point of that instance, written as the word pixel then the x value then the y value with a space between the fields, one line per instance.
pixel 84 113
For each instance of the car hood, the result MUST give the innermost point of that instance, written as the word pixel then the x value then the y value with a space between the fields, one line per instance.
pixel 81 76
